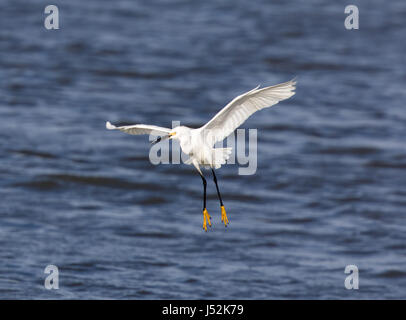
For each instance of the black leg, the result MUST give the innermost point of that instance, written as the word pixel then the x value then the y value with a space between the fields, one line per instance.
pixel 204 191
pixel 206 216
pixel 223 210
pixel 217 187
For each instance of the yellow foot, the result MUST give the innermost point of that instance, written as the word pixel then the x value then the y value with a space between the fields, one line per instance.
pixel 206 219
pixel 224 216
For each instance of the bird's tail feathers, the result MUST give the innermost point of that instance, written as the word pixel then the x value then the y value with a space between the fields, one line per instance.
pixel 220 156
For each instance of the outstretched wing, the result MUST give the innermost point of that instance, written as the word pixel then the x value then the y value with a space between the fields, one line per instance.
pixel 140 129
pixel 242 107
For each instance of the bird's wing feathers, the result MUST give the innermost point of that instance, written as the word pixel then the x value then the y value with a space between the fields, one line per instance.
pixel 139 129
pixel 242 107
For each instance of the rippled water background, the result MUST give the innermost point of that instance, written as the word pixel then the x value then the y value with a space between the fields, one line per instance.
pixel 330 186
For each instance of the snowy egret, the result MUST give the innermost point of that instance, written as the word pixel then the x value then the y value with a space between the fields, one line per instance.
pixel 198 143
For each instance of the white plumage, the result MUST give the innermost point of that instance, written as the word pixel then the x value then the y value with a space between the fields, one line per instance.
pixel 242 107
pixel 198 143
pixel 139 129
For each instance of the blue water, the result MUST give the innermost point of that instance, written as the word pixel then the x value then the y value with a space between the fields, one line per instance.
pixel 330 186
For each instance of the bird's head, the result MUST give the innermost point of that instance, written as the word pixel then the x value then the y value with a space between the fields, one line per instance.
pixel 178 133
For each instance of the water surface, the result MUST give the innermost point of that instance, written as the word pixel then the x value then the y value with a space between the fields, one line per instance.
pixel 330 186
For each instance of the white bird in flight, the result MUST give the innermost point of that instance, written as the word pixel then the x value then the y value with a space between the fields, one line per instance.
pixel 198 143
